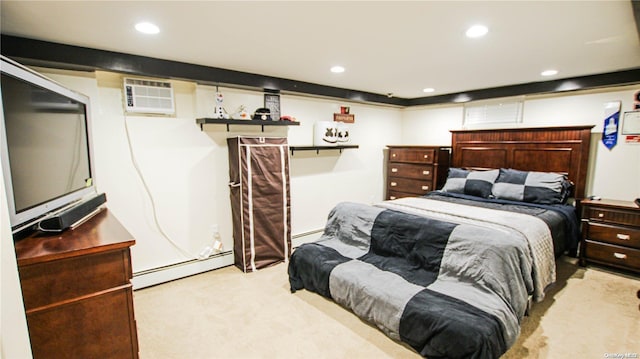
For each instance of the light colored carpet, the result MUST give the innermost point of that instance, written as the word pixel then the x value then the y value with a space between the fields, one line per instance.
pixel 590 313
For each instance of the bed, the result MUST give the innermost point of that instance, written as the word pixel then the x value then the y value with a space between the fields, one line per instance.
pixel 452 273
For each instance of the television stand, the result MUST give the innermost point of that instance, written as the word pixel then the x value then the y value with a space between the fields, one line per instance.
pixel 77 290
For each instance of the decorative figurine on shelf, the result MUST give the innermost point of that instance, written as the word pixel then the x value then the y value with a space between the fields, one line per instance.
pixel 220 113
pixel 241 113
pixel 262 113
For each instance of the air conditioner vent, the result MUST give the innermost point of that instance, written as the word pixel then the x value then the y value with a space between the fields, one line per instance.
pixel 148 96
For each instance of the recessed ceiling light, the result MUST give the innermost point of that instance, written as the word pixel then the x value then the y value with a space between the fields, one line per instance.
pixel 549 72
pixel 477 31
pixel 428 89
pixel 147 28
pixel 337 69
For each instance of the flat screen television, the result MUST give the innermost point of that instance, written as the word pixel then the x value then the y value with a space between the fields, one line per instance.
pixel 46 147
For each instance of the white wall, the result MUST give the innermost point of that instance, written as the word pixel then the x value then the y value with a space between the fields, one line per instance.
pixel 186 169
pixel 613 173
pixel 14 337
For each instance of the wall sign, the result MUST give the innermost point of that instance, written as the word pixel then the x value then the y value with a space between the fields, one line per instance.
pixel 610 131
pixel 272 102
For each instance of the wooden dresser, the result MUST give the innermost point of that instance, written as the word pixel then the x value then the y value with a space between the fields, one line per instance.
pixel 416 170
pixel 77 291
pixel 611 233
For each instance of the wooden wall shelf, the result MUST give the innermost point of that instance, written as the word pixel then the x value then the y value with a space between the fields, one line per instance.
pixel 320 148
pixel 262 123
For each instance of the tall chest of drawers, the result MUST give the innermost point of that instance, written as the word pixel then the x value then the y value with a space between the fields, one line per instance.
pixel 416 170
pixel 611 234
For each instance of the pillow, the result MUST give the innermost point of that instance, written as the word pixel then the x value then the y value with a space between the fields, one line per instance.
pixel 530 186
pixel 474 183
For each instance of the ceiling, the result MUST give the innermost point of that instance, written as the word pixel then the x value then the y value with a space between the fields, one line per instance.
pixel 386 47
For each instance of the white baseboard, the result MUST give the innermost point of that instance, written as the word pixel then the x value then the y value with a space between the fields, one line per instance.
pixel 168 273
pixel 180 270
pixel 306 237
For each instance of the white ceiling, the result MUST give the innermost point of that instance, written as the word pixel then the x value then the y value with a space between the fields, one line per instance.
pixel 386 46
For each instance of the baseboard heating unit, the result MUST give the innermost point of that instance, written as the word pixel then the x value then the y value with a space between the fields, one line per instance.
pixel 171 272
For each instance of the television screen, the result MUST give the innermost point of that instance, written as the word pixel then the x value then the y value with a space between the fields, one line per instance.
pixel 47 148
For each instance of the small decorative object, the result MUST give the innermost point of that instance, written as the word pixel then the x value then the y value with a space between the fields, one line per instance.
pixel 288 118
pixel 220 113
pixel 325 133
pixel 272 102
pixel 262 113
pixel 343 133
pixel 241 113
pixel 610 132
pixel 344 115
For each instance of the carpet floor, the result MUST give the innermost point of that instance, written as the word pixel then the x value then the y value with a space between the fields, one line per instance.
pixel 590 313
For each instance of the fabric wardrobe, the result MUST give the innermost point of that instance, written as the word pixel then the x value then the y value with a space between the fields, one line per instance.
pixel 260 201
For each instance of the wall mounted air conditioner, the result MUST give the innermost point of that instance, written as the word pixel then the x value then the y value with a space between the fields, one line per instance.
pixel 148 96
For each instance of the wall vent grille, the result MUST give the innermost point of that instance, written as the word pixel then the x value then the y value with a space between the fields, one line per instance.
pixel 149 96
pixel 507 111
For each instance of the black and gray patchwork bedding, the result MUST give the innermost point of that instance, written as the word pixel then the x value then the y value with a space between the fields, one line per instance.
pixel 449 279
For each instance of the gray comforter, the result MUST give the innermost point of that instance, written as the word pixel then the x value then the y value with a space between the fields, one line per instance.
pixel 450 280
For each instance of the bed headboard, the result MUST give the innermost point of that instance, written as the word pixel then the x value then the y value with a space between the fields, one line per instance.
pixel 548 149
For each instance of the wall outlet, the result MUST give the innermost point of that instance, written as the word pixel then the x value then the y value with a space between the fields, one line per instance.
pixel 213 229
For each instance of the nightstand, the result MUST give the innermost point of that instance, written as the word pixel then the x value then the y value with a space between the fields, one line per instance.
pixel 611 234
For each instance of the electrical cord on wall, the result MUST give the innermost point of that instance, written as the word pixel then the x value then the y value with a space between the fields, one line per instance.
pixel 148 192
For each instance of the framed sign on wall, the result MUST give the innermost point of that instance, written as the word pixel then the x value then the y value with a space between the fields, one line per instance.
pixel 631 123
pixel 272 102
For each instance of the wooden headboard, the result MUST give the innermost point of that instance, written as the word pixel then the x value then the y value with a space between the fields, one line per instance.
pixel 550 149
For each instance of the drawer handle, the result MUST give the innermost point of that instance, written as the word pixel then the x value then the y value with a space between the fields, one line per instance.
pixel 426 188
pixel 624 237
pixel 394 170
pixel 393 155
pixel 426 156
pixel 392 197
pixel 426 173
pixel 620 255
pixel 393 184
pixel 600 215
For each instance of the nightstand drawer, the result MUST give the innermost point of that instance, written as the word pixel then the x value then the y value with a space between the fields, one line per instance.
pixel 417 155
pixel 614 255
pixel 406 170
pixel 409 185
pixel 610 215
pixel 623 236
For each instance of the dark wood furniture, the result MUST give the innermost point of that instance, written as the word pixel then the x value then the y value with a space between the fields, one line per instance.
pixel 77 291
pixel 227 122
pixel 546 149
pixel 416 170
pixel 611 233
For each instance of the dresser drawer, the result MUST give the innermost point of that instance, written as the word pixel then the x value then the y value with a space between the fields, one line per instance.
pixel 623 236
pixel 614 255
pixel 406 170
pixel 65 279
pixel 409 185
pixel 391 194
pixel 611 215
pixel 412 155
